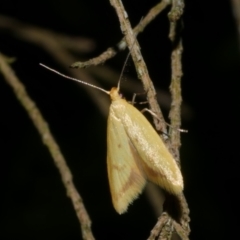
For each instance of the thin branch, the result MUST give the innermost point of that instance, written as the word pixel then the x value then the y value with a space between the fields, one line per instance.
pixel 180 231
pixel 27 31
pixel 165 227
pixel 139 63
pixel 167 230
pixel 185 219
pixel 176 93
pixel 175 118
pixel 47 138
pixel 48 41
pixel 174 15
pixel 175 111
pixel 111 52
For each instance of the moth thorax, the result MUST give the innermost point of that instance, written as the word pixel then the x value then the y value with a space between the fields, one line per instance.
pixel 114 94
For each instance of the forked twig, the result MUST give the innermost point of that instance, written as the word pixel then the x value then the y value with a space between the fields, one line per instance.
pixel 111 52
pixel 158 227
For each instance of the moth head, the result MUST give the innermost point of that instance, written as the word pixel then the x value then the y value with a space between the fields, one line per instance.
pixel 114 94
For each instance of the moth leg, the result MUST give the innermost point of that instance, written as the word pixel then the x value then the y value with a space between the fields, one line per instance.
pixel 134 97
pixel 154 114
pixel 151 112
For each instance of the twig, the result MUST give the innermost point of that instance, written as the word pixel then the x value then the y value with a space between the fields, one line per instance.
pixel 49 141
pixel 167 230
pixel 175 111
pixel 158 227
pixel 175 118
pixel 174 15
pixel 185 219
pixel 47 40
pixel 175 89
pixel 166 227
pixel 111 52
pixel 180 231
pixel 139 63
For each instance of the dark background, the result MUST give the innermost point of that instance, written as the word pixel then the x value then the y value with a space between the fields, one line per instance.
pixel 34 203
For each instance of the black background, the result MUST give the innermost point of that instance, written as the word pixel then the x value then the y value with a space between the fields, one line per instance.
pixel 34 204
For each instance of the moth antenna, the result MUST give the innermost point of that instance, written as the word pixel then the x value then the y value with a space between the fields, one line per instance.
pixel 124 65
pixel 74 79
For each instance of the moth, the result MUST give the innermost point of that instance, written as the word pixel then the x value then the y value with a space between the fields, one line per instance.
pixel 135 152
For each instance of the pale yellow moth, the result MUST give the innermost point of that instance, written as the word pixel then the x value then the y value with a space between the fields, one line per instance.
pixel 135 153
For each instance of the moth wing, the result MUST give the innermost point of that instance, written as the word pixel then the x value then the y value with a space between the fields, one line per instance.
pixel 157 162
pixel 126 180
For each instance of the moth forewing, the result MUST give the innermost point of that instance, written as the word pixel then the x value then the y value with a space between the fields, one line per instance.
pixel 158 163
pixel 126 180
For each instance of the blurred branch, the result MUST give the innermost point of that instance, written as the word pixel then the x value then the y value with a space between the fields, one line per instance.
pixel 29 32
pixel 111 52
pixel 47 138
pixel 236 14
pixel 54 47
